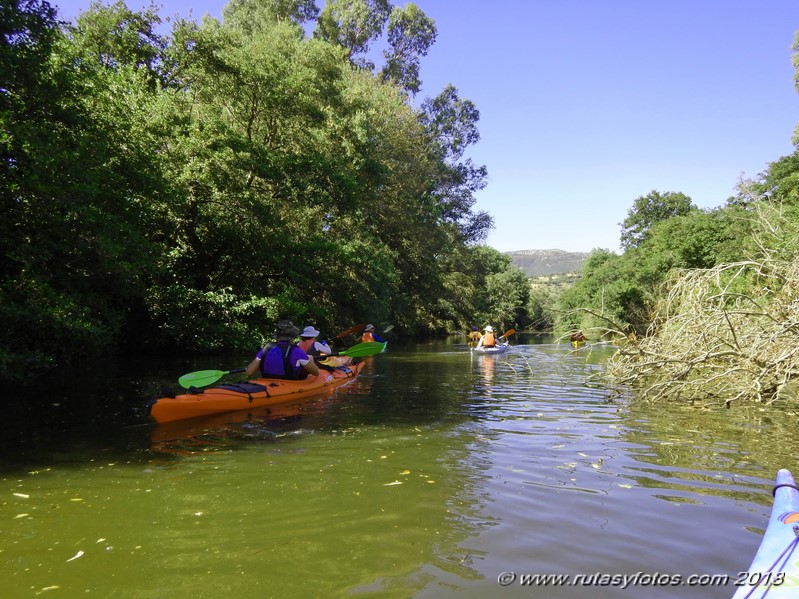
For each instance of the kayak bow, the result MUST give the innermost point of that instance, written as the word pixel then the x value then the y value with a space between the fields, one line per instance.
pixel 774 573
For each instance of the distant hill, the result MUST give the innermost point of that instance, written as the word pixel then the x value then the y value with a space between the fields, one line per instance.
pixel 535 263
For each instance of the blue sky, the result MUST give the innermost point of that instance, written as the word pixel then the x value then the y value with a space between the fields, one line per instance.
pixel 586 105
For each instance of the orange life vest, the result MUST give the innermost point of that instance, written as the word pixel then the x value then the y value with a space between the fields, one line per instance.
pixel 488 340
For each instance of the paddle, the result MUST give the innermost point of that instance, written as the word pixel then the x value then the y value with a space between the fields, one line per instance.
pixel 369 348
pixel 201 378
pixel 508 333
pixel 351 331
pixel 388 328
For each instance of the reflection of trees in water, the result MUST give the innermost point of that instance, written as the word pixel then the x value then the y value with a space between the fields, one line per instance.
pixel 405 465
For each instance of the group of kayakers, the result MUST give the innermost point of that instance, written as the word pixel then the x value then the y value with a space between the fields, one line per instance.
pixel 286 359
pixel 488 339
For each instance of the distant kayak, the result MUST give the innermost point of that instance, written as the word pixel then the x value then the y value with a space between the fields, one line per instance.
pixel 249 394
pixel 774 572
pixel 497 349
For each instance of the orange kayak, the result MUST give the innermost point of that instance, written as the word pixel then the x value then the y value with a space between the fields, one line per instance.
pixel 249 394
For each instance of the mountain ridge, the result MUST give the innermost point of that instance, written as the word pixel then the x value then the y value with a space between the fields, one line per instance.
pixel 536 263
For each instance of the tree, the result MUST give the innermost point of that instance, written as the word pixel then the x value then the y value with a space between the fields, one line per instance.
pixel 648 210
pixel 114 36
pixel 451 124
pixel 79 176
pixel 354 25
pixel 410 35
pixel 249 15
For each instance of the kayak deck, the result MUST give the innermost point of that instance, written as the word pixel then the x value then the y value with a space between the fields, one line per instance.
pixel 774 572
pixel 249 394
pixel 497 349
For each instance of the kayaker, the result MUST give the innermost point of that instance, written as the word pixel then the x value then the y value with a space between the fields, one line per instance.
pixel 577 337
pixel 370 335
pixel 310 345
pixel 488 339
pixel 474 335
pixel 283 359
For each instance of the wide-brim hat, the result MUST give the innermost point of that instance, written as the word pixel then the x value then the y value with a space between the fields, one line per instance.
pixel 489 328
pixel 309 331
pixel 370 327
pixel 285 329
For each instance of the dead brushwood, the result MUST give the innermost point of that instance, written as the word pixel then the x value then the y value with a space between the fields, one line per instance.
pixel 725 334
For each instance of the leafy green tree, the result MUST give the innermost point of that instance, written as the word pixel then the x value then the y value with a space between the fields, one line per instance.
pixel 593 301
pixel 354 25
pixel 499 293
pixel 248 15
pixel 542 309
pixel 451 122
pixel 184 191
pixel 648 210
pixel 780 182
pixel 508 297
pixel 79 170
pixel 411 33
pixel 114 36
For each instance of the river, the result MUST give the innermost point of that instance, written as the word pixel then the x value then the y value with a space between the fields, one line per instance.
pixel 434 474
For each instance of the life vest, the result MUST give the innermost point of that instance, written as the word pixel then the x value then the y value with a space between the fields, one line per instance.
pixel 314 348
pixel 281 349
pixel 307 345
pixel 488 340
pixel 367 337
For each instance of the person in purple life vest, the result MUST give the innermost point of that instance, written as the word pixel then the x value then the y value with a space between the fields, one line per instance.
pixel 283 359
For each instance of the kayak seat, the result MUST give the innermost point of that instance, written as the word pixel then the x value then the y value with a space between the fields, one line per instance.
pixel 244 387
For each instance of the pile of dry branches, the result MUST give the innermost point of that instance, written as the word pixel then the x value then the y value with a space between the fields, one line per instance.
pixel 723 334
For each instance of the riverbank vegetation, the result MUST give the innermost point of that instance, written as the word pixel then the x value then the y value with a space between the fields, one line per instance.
pixel 184 190
pixel 704 303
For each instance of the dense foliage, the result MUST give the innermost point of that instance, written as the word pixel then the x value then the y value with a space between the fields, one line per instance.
pixel 185 190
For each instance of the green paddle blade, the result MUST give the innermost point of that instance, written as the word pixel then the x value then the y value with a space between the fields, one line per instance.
pixel 201 378
pixel 370 348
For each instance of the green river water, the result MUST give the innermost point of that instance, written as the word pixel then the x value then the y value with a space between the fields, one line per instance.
pixel 434 474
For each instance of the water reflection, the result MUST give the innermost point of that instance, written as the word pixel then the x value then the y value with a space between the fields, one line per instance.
pixel 430 474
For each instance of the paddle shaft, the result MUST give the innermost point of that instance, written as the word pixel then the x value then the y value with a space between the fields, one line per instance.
pixel 351 331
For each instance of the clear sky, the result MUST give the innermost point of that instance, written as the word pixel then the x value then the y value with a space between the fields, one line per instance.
pixel 585 105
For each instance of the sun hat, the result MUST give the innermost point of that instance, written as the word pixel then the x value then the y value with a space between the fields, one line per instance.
pixel 285 329
pixel 370 327
pixel 309 331
pixel 489 328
